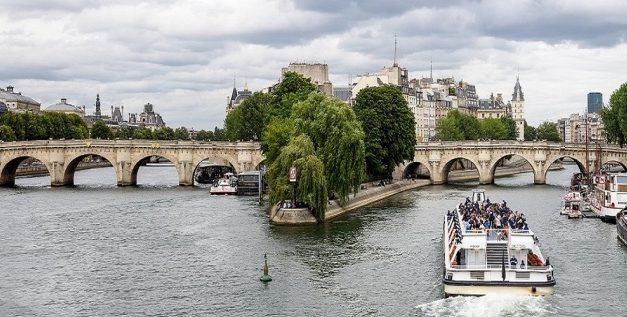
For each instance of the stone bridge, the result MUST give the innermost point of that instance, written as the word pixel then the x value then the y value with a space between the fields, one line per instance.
pixel 438 157
pixel 61 157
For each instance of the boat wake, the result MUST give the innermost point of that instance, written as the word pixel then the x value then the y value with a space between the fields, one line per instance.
pixel 487 306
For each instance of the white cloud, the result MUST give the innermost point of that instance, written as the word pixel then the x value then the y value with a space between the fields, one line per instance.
pixel 182 56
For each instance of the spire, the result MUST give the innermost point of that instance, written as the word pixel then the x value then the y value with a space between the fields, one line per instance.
pixel 395 42
pixel 97 105
pixel 431 73
pixel 518 94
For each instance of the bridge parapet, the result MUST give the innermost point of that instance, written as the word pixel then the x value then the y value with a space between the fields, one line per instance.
pixel 62 156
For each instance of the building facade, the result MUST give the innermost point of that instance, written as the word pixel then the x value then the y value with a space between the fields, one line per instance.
pixel 64 107
pixel 595 102
pixel 16 102
pixel 318 73
pixel 236 98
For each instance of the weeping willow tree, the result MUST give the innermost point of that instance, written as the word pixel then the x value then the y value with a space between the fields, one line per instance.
pixel 311 187
pixel 337 138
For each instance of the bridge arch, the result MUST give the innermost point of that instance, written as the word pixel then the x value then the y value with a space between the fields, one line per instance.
pixel 610 161
pixel 412 169
pixel 9 169
pixel 448 163
pixel 554 158
pixel 145 158
pixel 500 157
pixel 70 168
pixel 217 158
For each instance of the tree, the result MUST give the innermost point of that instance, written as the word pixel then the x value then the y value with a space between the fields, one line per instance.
pixel 493 129
pixel 457 126
pixel 181 133
pixel 510 125
pixel 389 129
pixel 311 185
pixel 247 121
pixel 447 129
pixel 142 134
pixel 548 131
pixel 614 116
pixel 276 135
pixel 100 130
pixel 204 135
pixel 219 134
pixel 163 133
pixel 338 141
pixel 530 132
pixel 292 89
pixel 6 133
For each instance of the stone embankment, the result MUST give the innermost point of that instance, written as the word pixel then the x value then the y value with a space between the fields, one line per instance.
pixel 372 193
pixel 368 194
pixel 40 170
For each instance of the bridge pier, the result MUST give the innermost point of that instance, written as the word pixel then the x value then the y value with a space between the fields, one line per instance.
pixel 486 178
pixel 185 170
pixel 57 173
pixel 539 177
pixel 124 173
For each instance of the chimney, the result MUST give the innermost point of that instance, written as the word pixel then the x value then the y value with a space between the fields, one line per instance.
pixel 9 88
pixel 63 100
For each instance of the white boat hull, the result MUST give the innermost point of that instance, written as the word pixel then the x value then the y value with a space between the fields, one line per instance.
pixel 480 290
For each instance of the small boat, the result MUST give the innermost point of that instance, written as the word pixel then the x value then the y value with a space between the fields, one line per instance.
pixel 621 225
pixel 225 186
pixel 503 258
pixel 609 195
pixel 572 201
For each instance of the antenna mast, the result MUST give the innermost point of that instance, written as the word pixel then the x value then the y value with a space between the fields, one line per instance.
pixel 395 42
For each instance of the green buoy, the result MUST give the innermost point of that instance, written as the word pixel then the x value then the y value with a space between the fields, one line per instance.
pixel 265 277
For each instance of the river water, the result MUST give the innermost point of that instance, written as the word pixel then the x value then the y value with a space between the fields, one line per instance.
pixel 163 250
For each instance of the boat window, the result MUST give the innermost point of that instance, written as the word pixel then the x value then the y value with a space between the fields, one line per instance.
pixel 622 180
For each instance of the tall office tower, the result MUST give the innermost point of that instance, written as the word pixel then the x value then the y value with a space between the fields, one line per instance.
pixel 595 102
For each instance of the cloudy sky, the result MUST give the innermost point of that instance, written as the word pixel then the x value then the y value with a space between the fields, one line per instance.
pixel 184 55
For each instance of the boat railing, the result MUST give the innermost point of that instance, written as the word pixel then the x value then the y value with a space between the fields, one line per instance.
pixel 495 267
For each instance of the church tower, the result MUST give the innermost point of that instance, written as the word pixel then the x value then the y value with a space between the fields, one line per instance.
pixel 98 105
pixel 518 110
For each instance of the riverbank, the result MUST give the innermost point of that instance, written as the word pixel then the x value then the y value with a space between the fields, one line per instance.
pixel 367 195
pixel 370 194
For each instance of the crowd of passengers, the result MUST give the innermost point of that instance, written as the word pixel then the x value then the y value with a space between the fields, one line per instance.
pixel 487 215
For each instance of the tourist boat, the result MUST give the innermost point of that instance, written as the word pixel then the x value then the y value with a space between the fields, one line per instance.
pixel 225 186
pixel 572 201
pixel 621 225
pixel 248 183
pixel 609 195
pixel 485 261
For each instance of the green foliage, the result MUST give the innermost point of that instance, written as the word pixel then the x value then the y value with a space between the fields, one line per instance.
pixel 204 135
pixel 163 133
pixel 389 129
pixel 276 135
pixel 530 132
pixel 338 141
pixel 181 133
pixel 142 134
pixel 100 130
pixel 457 126
pixel 219 134
pixel 292 89
pixel 614 116
pixel 311 186
pixel 36 126
pixel 510 126
pixel 548 131
pixel 493 129
pixel 6 134
pixel 247 121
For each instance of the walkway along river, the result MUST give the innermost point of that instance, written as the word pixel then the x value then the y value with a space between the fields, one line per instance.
pixel 159 249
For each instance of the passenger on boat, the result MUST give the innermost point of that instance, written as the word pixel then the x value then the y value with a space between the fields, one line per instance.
pixel 522 264
pixel 513 261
